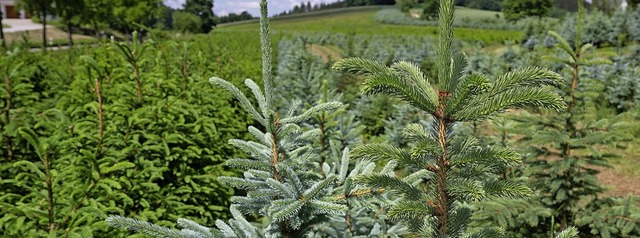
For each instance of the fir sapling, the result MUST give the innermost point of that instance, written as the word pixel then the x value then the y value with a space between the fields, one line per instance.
pixel 564 160
pixel 292 197
pixel 566 151
pixel 453 171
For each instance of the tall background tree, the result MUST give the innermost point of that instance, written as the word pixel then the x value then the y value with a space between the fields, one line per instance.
pixel 430 9
pixel 4 45
pixel 204 10
pixel 606 6
pixel 517 9
pixel 127 13
pixel 186 22
pixel 42 9
pixel 96 12
pixel 406 5
pixel 69 10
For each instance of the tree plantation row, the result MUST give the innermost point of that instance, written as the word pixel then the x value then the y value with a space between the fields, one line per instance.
pixel 122 129
pixel 416 137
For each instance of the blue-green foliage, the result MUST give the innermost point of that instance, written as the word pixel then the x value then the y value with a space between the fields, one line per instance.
pixel 633 24
pixel 383 48
pixel 395 16
pixel 601 29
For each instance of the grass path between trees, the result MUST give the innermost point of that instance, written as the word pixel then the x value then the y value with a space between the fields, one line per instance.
pixel 326 53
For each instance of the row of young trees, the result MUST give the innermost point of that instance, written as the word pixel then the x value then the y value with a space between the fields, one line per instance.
pixel 130 129
pixel 301 181
pixel 148 137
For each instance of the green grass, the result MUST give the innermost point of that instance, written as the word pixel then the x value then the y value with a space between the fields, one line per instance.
pixel 476 14
pixel 5 26
pixel 361 20
pixel 470 14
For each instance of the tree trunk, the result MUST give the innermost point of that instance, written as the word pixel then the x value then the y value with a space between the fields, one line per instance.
pixel 127 33
pixel 442 170
pixel 7 109
pixel 95 28
pixel 44 30
pixel 4 44
pixel 69 32
pixel 100 113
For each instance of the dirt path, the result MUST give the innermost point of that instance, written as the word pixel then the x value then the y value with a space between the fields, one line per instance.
pixel 326 53
pixel 618 184
pixel 16 25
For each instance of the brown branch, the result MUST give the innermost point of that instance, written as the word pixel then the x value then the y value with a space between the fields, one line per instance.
pixel 136 73
pixel 442 203
pixel 274 159
pixel 100 113
pixel 7 116
pixel 570 126
pixel 48 182
pixel 359 193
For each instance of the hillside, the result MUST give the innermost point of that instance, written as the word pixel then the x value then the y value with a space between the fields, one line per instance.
pixel 361 20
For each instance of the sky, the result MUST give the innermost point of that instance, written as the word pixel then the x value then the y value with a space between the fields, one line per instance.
pixel 224 7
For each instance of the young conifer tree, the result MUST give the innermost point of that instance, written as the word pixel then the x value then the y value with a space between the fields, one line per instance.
pixel 567 154
pixel 566 160
pixel 306 77
pixel 284 187
pixel 451 171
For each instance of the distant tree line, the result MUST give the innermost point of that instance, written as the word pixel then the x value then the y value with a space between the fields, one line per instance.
pixel 119 15
pixel 515 9
pixel 307 7
pixel 125 16
pixel 234 17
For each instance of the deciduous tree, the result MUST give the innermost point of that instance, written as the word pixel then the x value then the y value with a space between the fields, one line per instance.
pixel 517 9
pixel 186 22
pixel 68 10
pixel 127 13
pixel 4 44
pixel 204 10
pixel 42 9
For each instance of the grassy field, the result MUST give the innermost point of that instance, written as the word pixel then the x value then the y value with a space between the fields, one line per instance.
pixel 476 14
pixel 464 13
pixel 34 37
pixel 361 20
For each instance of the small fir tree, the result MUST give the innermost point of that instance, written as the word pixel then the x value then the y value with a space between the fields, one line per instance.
pixel 453 170
pixel 566 159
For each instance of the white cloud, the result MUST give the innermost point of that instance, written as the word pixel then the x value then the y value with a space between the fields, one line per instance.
pixel 223 7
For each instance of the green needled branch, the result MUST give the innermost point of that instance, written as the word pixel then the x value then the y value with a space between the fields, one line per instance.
pixel 265 44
